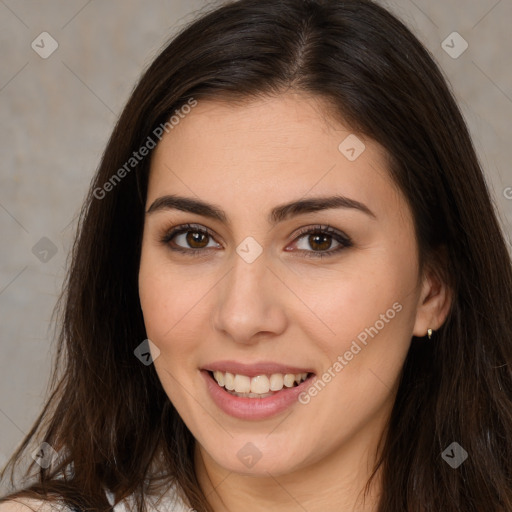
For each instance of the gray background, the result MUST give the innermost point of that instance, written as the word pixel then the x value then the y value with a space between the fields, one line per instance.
pixel 57 114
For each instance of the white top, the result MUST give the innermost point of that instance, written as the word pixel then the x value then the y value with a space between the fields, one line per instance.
pixel 170 502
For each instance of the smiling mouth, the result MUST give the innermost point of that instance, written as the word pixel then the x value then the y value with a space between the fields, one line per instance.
pixel 260 386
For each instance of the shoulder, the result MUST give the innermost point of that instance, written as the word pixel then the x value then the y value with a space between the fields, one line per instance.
pixel 31 505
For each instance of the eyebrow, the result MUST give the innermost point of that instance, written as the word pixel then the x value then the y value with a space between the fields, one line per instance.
pixel 277 214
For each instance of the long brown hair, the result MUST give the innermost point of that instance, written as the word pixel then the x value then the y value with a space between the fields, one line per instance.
pixel 107 414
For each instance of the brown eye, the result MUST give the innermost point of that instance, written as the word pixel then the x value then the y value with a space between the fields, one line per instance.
pixel 320 242
pixel 197 239
pixel 189 239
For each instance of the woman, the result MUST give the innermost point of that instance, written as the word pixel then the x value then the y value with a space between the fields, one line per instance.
pixel 288 286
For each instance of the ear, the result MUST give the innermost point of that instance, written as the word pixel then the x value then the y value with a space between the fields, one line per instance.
pixel 434 302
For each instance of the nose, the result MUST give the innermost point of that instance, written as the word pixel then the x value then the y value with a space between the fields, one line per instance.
pixel 249 307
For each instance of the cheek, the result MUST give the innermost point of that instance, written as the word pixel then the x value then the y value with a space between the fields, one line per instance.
pixel 371 316
pixel 171 304
pixel 370 299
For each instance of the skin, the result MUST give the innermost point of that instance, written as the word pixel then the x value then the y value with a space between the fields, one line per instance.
pixel 284 307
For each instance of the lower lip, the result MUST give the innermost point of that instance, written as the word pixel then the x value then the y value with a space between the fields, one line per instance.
pixel 253 408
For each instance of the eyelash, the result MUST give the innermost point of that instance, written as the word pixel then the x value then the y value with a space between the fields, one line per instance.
pixel 344 241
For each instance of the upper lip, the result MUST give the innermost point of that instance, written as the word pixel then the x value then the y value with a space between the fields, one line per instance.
pixel 254 369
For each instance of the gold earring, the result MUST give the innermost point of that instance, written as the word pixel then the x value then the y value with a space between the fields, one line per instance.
pixel 429 334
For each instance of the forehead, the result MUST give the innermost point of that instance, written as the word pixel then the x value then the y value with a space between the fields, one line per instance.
pixel 268 150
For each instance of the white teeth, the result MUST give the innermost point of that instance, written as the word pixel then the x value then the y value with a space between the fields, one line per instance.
pixel 289 379
pixel 219 377
pixel 229 381
pixel 242 384
pixel 259 386
pixel 276 382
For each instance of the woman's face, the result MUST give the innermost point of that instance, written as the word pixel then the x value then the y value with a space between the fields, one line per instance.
pixel 259 292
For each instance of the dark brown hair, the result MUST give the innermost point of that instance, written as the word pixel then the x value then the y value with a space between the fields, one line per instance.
pixel 108 415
